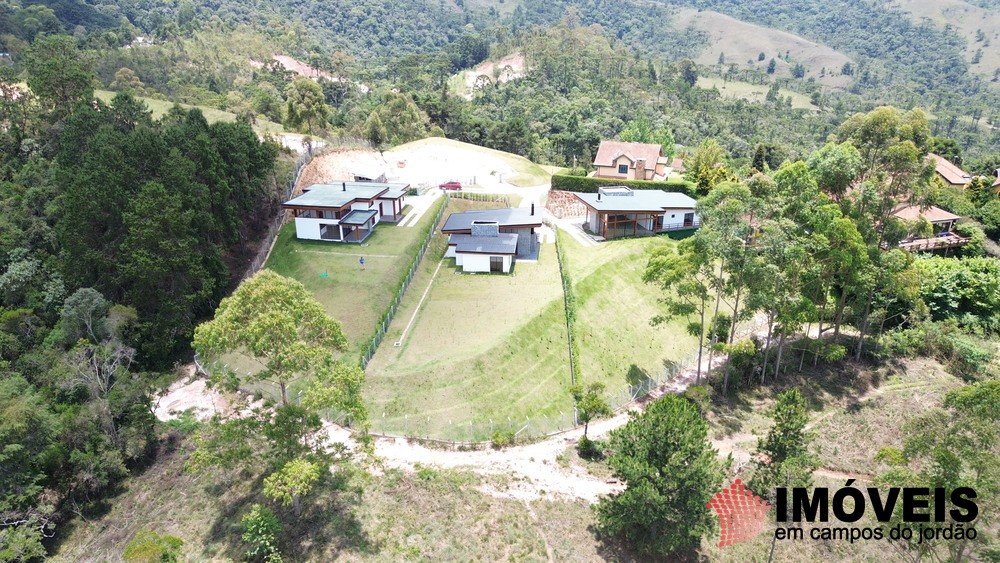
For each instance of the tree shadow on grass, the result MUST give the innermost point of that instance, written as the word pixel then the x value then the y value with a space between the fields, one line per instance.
pixel 326 526
pixel 226 529
pixel 822 386
pixel 638 381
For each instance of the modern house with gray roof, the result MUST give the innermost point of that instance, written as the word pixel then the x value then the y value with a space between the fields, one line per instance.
pixel 618 211
pixel 346 211
pixel 490 240
pixel 521 221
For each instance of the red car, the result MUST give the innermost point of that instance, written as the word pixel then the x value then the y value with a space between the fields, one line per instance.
pixel 452 185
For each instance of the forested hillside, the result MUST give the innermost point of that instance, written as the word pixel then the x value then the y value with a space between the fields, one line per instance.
pixel 117 235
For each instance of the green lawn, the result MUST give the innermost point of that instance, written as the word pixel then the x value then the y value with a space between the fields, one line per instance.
pixel 481 347
pixel 160 108
pixel 356 298
pixel 614 307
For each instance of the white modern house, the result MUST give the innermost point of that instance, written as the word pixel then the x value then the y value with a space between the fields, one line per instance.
pixel 490 240
pixel 618 211
pixel 487 251
pixel 346 211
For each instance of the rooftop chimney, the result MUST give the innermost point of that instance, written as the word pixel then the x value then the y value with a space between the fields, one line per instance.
pixel 485 229
pixel 599 192
pixel 532 209
pixel 344 186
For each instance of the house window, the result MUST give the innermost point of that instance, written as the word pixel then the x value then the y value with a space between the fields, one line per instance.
pixel 623 168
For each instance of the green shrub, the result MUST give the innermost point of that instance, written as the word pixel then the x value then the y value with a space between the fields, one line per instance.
pixel 503 438
pixel 425 473
pixel 966 356
pixel 149 547
pixel 584 184
pixel 589 449
pixel 969 359
pixel 834 352
pixel 700 395
pixel 185 424
pixel 260 532
pixel 977 240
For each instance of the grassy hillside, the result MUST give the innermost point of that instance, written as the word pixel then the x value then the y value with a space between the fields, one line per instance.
pixel 751 92
pixel 161 107
pixel 616 340
pixel 741 43
pixel 432 514
pixel 475 348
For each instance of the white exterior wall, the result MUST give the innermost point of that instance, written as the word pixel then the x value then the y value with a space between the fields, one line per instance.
pixel 480 262
pixel 385 206
pixel 450 253
pixel 308 228
pixel 365 207
pixel 593 220
pixel 678 215
pixel 475 262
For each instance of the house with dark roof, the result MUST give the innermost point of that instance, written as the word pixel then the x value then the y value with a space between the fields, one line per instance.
pixel 942 225
pixel 630 161
pixel 618 211
pixel 487 250
pixel 950 173
pixel 521 221
pixel 346 211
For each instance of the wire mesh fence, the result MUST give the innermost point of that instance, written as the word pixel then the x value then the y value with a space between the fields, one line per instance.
pixel 387 317
pixel 478 432
pixel 477 196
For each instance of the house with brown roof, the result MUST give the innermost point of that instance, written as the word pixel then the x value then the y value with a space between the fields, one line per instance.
pixel 996 181
pixel 942 224
pixel 630 161
pixel 949 172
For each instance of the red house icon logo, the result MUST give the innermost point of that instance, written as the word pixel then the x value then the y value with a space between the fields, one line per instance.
pixel 742 514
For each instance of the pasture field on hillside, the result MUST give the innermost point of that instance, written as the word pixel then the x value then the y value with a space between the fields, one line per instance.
pixel 479 347
pixel 752 92
pixel 161 107
pixel 618 345
pixel 741 42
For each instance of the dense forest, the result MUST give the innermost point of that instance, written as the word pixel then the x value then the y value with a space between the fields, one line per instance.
pixel 118 234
